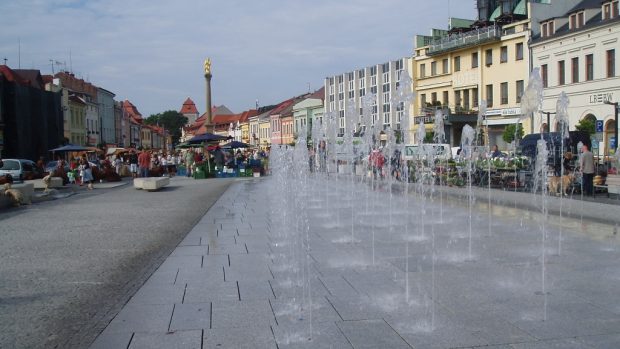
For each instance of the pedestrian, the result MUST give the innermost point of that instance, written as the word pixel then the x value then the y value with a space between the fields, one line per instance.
pixel 496 152
pixel 322 156
pixel 133 163
pixel 189 162
pixel 586 162
pixel 118 164
pixel 86 173
pixel 144 161
pixel 218 156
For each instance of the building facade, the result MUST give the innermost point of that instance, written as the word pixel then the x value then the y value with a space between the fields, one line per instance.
pixel 347 90
pixel 105 101
pixel 577 53
pixel 486 60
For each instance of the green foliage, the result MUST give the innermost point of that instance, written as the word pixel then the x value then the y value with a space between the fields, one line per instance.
pixel 587 125
pixel 171 120
pixel 429 137
pixel 509 133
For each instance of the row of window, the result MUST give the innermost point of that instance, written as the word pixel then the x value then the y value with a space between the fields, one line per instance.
pixel 463 99
pixel 577 20
pixel 385 87
pixel 503 58
pixel 610 71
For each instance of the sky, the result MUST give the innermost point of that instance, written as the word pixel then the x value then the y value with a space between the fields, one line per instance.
pixel 151 52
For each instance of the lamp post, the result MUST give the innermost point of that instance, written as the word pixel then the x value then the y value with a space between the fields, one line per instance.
pixel 548 113
pixel 615 104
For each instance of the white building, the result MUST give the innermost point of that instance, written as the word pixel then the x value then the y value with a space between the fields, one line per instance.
pixel 380 79
pixel 578 54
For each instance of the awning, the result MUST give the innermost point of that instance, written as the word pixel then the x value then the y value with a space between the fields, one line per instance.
pixel 494 122
pixel 496 13
pixel 521 8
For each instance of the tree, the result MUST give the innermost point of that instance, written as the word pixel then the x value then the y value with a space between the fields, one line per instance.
pixel 429 137
pixel 587 125
pixel 509 133
pixel 170 120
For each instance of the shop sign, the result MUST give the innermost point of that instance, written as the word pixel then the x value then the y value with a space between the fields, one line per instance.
pixel 427 119
pixel 598 98
pixel 504 112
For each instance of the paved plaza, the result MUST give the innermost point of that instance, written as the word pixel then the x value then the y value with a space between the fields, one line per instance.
pixel 325 274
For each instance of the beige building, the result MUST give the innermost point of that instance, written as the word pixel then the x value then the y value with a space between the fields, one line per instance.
pixel 578 54
pixel 486 60
pixel 457 71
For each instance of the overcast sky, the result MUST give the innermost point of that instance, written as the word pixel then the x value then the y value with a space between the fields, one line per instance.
pixel 152 51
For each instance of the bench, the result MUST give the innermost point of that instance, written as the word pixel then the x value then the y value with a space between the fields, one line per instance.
pixel 27 190
pixel 55 182
pixel 600 188
pixel 151 183
pixel 613 184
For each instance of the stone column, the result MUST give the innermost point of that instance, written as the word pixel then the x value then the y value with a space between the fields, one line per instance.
pixel 208 95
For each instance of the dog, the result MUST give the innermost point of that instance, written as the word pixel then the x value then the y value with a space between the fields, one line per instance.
pixel 558 183
pixel 15 195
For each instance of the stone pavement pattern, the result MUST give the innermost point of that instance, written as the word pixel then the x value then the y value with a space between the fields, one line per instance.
pixel 224 286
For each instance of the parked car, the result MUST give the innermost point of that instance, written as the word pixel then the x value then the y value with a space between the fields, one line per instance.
pixel 20 169
pixel 442 152
pixel 51 165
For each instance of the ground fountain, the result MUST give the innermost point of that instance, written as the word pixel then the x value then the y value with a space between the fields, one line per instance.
pixel 396 255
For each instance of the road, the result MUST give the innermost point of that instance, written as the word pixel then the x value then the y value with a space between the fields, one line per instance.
pixel 69 265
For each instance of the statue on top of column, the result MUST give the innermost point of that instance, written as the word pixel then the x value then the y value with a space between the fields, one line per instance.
pixel 207 66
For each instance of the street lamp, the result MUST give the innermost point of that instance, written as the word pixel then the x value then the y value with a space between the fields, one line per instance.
pixel 615 104
pixel 548 120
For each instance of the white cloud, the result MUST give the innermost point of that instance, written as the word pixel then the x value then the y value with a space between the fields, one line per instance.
pixel 151 52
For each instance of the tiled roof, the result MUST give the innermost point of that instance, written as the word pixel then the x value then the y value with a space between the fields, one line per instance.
pixel 131 111
pixel 319 94
pixel 189 107
pixel 25 77
pixel 233 118
pixel 69 81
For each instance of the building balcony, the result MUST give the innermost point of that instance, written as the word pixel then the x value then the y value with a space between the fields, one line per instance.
pixel 467 39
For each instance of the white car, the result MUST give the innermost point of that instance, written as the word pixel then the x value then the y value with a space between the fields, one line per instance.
pixel 422 152
pixel 19 169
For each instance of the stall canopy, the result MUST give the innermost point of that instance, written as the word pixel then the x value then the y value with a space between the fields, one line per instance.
pixel 206 138
pixel 235 144
pixel 69 148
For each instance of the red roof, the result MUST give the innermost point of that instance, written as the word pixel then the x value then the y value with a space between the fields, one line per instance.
pixel 25 77
pixel 189 107
pixel 282 106
pixel 131 111
pixel 232 118
pixel 319 94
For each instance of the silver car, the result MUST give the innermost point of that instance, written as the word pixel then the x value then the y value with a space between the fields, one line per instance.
pixel 19 169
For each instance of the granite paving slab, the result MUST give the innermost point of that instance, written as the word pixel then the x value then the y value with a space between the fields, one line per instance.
pixel 169 340
pixel 256 336
pixel 372 334
pixel 325 335
pixel 210 291
pixel 142 318
pixel 239 314
pixel 191 316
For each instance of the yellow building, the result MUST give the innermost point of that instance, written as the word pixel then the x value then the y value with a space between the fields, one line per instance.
pixel 264 131
pixel 454 71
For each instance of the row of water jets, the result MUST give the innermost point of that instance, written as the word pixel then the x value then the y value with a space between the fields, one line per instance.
pixel 313 197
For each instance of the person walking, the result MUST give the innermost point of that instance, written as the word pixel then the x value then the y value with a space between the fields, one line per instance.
pixel 586 163
pixel 144 161
pixel 118 164
pixel 133 163
pixel 86 172
pixel 218 155
pixel 189 162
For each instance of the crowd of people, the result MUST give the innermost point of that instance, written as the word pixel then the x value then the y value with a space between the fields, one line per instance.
pixel 149 163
